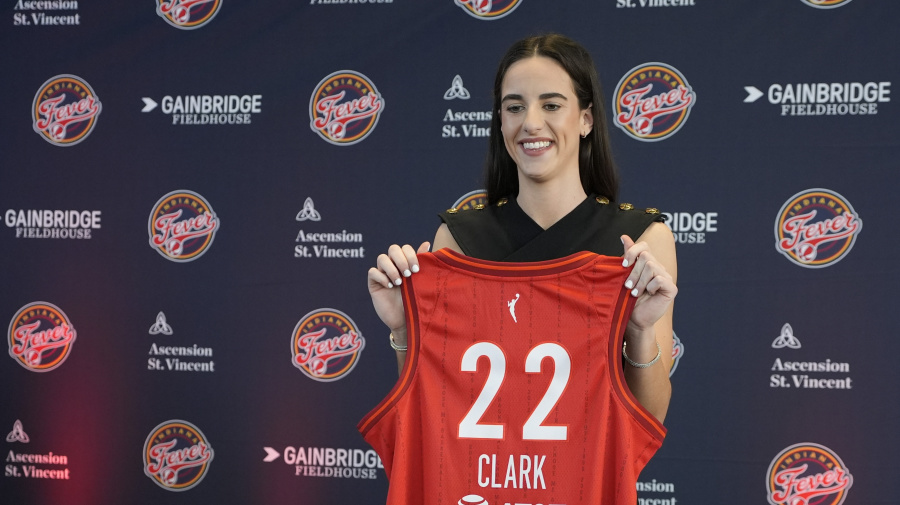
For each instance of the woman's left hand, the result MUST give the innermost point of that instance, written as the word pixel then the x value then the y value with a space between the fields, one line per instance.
pixel 649 282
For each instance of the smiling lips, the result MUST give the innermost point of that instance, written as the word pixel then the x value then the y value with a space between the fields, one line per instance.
pixel 535 147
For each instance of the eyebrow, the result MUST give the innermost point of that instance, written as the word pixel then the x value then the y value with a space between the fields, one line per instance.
pixel 543 96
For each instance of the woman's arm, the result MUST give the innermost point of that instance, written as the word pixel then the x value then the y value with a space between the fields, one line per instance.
pixel 654 281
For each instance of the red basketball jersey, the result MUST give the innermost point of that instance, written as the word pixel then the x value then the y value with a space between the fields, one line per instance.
pixel 513 390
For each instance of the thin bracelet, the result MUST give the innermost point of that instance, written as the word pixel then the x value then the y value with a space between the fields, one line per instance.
pixel 394 346
pixel 641 365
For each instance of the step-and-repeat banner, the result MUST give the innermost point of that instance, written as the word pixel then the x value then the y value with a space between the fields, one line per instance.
pixel 192 192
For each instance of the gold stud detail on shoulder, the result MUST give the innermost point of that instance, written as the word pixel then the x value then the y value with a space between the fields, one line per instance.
pixel 479 206
pixel 651 210
pixel 602 200
pixel 502 202
pixel 626 206
pixel 452 210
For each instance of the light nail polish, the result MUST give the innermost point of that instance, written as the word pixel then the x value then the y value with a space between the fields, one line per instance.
pixel 406 273
pixel 634 292
pixel 415 269
pixel 624 263
pixel 629 284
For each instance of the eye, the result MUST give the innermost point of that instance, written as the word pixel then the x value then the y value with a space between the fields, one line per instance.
pixel 515 108
pixel 552 106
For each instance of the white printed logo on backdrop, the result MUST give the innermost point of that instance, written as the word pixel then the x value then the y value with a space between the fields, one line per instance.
pixel 40 465
pixel 824 98
pixel 806 370
pixel 463 123
pixel 313 243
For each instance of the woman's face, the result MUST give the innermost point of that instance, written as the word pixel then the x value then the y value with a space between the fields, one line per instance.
pixel 540 119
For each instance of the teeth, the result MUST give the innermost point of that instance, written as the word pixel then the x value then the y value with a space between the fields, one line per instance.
pixel 536 145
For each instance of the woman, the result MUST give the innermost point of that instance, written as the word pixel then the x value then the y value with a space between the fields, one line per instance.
pixel 548 152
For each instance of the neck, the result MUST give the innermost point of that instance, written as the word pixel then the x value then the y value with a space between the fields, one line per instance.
pixel 548 202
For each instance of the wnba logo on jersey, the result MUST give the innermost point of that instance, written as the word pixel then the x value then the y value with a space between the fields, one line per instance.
pixel 826 4
pixel 188 14
pixel 476 199
pixel 652 102
pixel 326 345
pixel 488 9
pixel 40 337
pixel 177 455
pixel 345 108
pixel 807 473
pixel 816 228
pixel 182 226
pixel 65 110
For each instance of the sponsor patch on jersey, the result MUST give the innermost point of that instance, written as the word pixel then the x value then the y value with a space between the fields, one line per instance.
pixel 816 228
pixel 807 473
pixel 182 226
pixel 488 9
pixel 188 14
pixel 652 102
pixel 177 455
pixel 40 337
pixel 326 345
pixel 345 107
pixel 65 110
pixel 826 4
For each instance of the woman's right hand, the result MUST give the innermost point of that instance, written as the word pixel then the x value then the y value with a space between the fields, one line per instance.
pixel 384 281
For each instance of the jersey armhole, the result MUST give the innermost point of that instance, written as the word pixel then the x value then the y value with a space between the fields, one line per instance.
pixel 649 422
pixel 409 367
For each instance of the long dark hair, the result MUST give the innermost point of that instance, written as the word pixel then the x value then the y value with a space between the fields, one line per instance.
pixel 595 163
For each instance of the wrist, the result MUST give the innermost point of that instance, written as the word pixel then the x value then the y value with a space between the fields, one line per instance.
pixel 641 343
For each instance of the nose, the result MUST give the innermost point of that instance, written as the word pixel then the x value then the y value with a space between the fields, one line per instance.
pixel 534 120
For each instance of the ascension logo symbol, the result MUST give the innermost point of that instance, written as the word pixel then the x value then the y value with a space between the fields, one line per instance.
pixel 786 338
pixel 807 473
pixel 326 345
pixel 826 4
pixel 160 326
pixel 816 228
pixel 188 14
pixel 177 455
pixel 18 434
pixel 488 9
pixel 308 212
pixel 345 107
pixel 40 337
pixel 457 90
pixel 65 110
pixel 652 102
pixel 182 226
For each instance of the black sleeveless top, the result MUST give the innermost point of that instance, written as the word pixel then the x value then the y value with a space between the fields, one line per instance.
pixel 504 232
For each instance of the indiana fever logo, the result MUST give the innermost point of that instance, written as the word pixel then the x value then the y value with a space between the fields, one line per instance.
pixel 326 345
pixel 826 4
pixel 488 9
pixel 188 14
pixel 652 102
pixel 805 474
pixel 177 455
pixel 182 226
pixel 40 337
pixel 476 199
pixel 345 107
pixel 816 228
pixel 65 110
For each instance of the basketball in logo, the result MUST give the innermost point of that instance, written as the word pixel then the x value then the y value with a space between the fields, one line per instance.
pixel 65 110
pixel 326 345
pixel 826 4
pixel 182 226
pixel 488 9
pixel 177 455
pixel 807 473
pixel 816 228
pixel 188 14
pixel 471 200
pixel 40 337
pixel 652 102
pixel 345 107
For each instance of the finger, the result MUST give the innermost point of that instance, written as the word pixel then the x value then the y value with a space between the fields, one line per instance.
pixel 638 256
pixel 398 256
pixel 632 250
pixel 648 270
pixel 378 278
pixel 387 264
pixel 411 260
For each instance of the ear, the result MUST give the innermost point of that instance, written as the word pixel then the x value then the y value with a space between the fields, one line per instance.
pixel 587 117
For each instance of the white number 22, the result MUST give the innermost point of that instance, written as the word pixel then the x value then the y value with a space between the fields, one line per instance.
pixel 533 429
